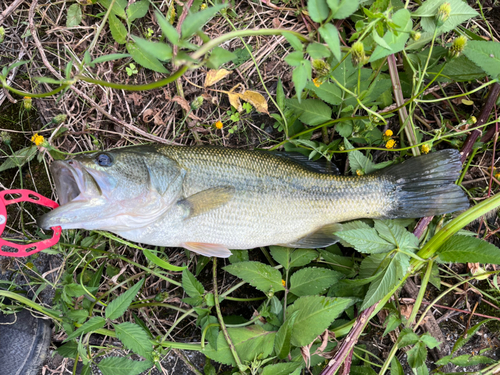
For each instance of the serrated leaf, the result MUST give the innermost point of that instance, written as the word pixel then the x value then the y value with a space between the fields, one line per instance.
pixel 294 58
pixel 391 323
pixel 388 279
pixel 281 255
pixel 134 338
pixel 74 16
pixel 342 8
pixel 122 366
pixel 460 12
pixel 330 34
pixel 294 42
pixel 344 129
pixel 259 275
pixel 19 158
pixel 91 325
pixel 145 59
pixel 300 76
pixel 429 341
pixel 317 51
pixel 195 21
pixel 161 51
pixel 396 234
pixel 249 342
pixel 471 360
pixel 328 92
pixel 465 249
pixel 219 56
pixel 120 304
pixel 315 314
pixel 168 30
pixel 486 55
pixel 318 10
pixel 312 111
pixel 302 257
pixel 281 368
pixel 396 368
pixel 118 7
pixel 137 10
pixel 310 281
pixel 462 340
pixel 161 263
pixel 407 337
pixel 191 286
pixel 282 343
pixel 358 161
pixel 417 355
pixel 394 43
pixel 118 30
pixel 366 241
pixel 68 350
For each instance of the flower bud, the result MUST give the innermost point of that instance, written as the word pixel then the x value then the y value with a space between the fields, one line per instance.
pixel 5 138
pixel 59 119
pixel 358 53
pixel 443 13
pixel 458 45
pixel 416 35
pixel 321 67
pixel 197 103
pixel 27 103
pixel 2 34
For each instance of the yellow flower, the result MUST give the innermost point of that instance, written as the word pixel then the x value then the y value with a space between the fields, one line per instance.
pixel 203 6
pixel 27 102
pixel 359 172
pixel 497 176
pixel 283 282
pixel 425 149
pixel 219 125
pixel 388 133
pixel 37 139
pixel 317 82
pixel 390 143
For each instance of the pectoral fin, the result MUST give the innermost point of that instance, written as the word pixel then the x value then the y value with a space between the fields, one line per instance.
pixel 208 249
pixel 322 237
pixel 206 200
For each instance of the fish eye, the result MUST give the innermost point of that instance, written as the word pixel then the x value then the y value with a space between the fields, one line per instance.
pixel 104 160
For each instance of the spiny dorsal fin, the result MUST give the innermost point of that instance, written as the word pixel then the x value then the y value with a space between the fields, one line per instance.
pixel 206 200
pixel 322 237
pixel 321 165
pixel 208 249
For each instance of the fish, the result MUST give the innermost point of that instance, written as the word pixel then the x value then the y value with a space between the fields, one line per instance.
pixel 211 200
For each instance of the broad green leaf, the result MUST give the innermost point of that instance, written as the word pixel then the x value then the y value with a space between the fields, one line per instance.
pixel 249 342
pixel 396 368
pixel 120 304
pixel 195 21
pixel 465 249
pixel 486 55
pixel 342 8
pixel 391 323
pixel 300 76
pixel 310 281
pixel 118 7
pixel 459 69
pixel 358 161
pixel 389 278
pixel 74 15
pixel 160 262
pixel 380 42
pixel 191 286
pixel 122 366
pixel 19 158
pixel 315 314
pixel 161 51
pixel 113 56
pixel 137 10
pixel 366 241
pixel 257 274
pixel 396 234
pixel 460 12
pixel 118 30
pixel 294 42
pixel 313 111
pixel 238 256
pixel 68 350
pixel 429 341
pixel 471 360
pixel 294 58
pixel 134 338
pixel 93 324
pixel 462 340
pixel 281 255
pixel 394 43
pixel 330 34
pixel 281 368
pixel 417 355
pixel 344 129
pixel 168 30
pixel 145 59
pixel 318 10
pixel 282 342
pixel 301 257
pixel 328 92
pixel 318 51
pixel 407 337
pixel 219 56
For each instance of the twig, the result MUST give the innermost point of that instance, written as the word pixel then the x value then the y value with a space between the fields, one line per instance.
pixel 9 10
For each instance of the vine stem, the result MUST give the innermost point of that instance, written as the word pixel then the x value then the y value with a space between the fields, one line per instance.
pixel 221 320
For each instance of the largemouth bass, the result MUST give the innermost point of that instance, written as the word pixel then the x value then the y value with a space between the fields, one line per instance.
pixel 211 199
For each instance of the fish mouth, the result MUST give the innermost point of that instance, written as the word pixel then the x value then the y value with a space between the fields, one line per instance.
pixel 69 177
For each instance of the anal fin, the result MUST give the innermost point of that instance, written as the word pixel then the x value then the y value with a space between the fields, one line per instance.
pixel 206 200
pixel 208 249
pixel 322 237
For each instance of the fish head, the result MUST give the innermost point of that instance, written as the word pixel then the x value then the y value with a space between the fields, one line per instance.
pixel 115 190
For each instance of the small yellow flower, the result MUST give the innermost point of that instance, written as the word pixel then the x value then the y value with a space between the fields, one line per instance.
pixel 219 125
pixel 37 139
pixel 27 103
pixel 388 133
pixel 425 149
pixel 497 176
pixel 359 172
pixel 472 120
pixel 283 282
pixel 203 6
pixel 390 143
pixel 317 82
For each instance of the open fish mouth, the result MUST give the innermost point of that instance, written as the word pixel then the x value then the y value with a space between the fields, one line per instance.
pixel 69 177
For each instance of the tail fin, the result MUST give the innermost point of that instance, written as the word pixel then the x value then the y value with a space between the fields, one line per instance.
pixel 425 185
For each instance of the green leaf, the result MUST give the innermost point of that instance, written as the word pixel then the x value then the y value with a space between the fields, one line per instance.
pixel 91 325
pixel 486 55
pixel 294 58
pixel 145 59
pixel 294 42
pixel 407 337
pixel 396 368
pixel 238 256
pixel 137 10
pixel 310 281
pixel 313 111
pixel 396 234
pixel 281 255
pixel 315 314
pixel 330 34
pixel 366 241
pixel 394 43
pixel 460 12
pixel 391 323
pixel 68 350
pixel 118 7
pixel 134 338
pixel 219 56
pixel 358 161
pixel 471 360
pixel 280 95
pixel 429 341
pixel 161 51
pixel 195 21
pixel 300 76
pixel 111 57
pixel 417 355
pixel 74 16
pixel 119 305
pixel 19 158
pixel 118 30
pixel 344 129
pixel 301 257
pixel 328 92
pixel 259 275
pixel 168 30
pixel 281 368
pixel 191 286
pixel 282 343
pixel 122 366
pixel 388 279
pixel 249 342
pixel 317 51
pixel 318 10
pixel 462 340
pixel 160 262
pixel 342 8
pixel 465 249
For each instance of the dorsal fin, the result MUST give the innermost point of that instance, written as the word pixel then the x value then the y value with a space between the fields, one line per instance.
pixel 321 165
pixel 322 237
pixel 206 200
